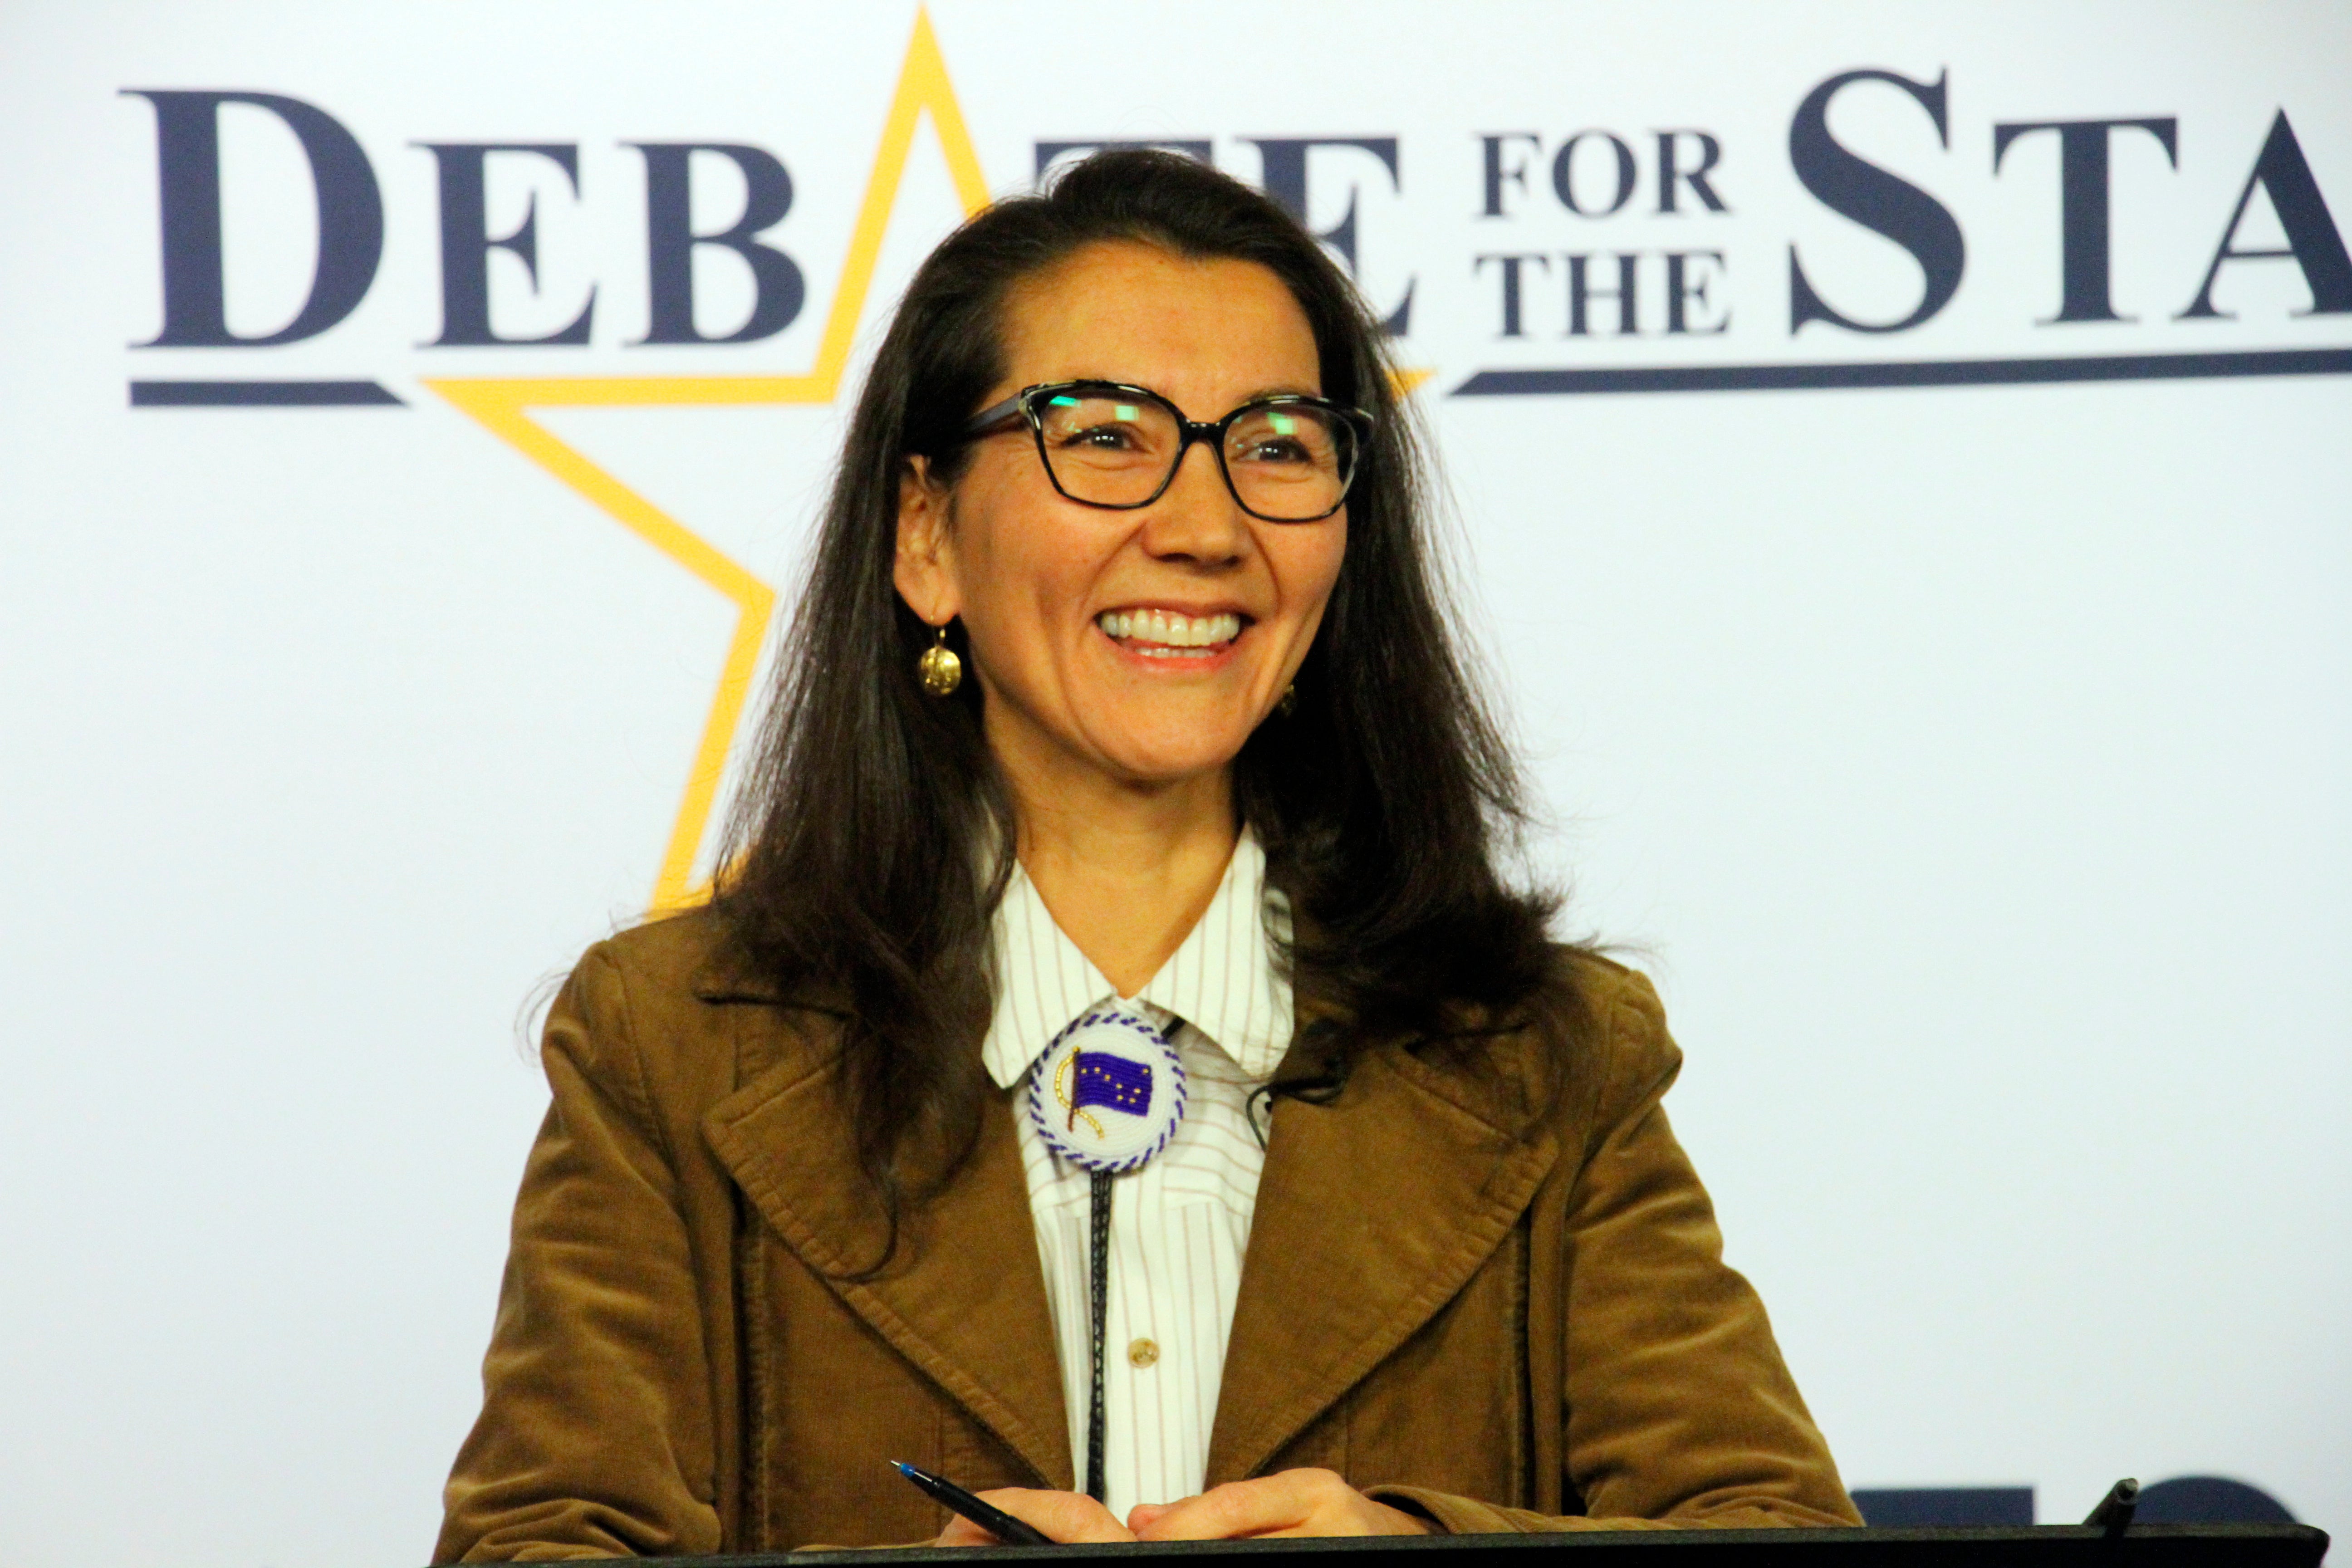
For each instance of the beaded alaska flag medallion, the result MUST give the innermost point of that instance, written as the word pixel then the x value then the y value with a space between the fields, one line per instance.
pixel 1108 1092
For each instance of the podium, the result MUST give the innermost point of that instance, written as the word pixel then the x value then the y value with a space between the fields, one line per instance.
pixel 2046 1546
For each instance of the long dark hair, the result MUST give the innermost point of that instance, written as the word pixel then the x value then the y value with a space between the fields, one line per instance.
pixel 861 877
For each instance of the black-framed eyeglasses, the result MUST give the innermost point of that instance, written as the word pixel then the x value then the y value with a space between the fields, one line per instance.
pixel 1289 457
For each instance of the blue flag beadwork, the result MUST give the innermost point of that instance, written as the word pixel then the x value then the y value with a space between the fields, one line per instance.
pixel 1109 1090
pixel 1115 1081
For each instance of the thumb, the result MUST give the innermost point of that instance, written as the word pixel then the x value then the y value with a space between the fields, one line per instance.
pixel 1143 1513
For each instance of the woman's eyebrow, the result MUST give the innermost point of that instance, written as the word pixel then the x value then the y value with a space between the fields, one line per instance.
pixel 1279 391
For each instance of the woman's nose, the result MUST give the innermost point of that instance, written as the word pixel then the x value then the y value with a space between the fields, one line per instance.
pixel 1197 517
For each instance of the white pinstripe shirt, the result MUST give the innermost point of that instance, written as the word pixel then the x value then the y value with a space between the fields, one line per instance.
pixel 1180 1224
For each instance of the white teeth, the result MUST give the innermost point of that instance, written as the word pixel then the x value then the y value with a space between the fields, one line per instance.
pixel 1160 628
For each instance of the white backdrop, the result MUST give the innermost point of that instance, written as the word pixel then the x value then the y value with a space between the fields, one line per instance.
pixel 1970 764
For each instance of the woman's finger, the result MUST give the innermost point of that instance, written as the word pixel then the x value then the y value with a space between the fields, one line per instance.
pixel 1294 1503
pixel 1067 1517
pixel 960 1532
pixel 1270 1505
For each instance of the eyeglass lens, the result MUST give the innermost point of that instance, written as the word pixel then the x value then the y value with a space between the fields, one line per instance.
pixel 1286 461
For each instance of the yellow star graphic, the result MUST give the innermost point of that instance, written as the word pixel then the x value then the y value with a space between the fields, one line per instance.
pixel 503 407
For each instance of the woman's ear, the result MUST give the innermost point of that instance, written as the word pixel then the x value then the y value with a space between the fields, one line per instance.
pixel 925 567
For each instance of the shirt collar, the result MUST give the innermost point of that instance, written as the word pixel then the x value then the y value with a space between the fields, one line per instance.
pixel 1223 979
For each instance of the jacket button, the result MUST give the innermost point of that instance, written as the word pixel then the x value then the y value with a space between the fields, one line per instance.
pixel 1143 1353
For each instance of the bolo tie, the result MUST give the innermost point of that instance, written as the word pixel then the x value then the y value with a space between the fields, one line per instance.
pixel 1106 1097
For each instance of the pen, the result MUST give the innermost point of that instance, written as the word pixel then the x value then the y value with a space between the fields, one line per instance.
pixel 994 1520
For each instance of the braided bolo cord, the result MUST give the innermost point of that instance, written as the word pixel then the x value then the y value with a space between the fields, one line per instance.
pixel 1098 1290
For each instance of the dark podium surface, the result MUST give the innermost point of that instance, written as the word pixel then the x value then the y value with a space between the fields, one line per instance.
pixel 2047 1546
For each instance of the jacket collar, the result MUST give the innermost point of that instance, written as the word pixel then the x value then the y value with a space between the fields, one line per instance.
pixel 963 1298
pixel 1400 1187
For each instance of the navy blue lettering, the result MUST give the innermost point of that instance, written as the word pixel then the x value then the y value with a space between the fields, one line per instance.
pixel 1580 295
pixel 1497 171
pixel 1670 173
pixel 2084 249
pixel 1509 267
pixel 1880 202
pixel 778 288
pixel 2313 243
pixel 467 244
pixel 187 154
pixel 1563 174
pixel 1285 181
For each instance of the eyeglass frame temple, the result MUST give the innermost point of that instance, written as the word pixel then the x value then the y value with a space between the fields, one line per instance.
pixel 1210 432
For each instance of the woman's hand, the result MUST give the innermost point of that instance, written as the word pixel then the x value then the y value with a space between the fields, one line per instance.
pixel 1295 1502
pixel 1067 1517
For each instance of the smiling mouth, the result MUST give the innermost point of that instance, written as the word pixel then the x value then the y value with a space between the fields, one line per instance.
pixel 1162 633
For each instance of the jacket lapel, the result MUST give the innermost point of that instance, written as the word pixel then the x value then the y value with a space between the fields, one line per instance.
pixel 1372 1212
pixel 964 1297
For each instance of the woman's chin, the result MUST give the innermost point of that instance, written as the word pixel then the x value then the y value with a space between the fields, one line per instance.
pixel 1166 753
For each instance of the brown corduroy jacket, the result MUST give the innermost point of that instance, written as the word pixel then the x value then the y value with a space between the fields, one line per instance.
pixel 1497 1325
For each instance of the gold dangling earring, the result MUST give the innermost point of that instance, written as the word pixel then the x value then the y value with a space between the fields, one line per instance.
pixel 939 669
pixel 1287 702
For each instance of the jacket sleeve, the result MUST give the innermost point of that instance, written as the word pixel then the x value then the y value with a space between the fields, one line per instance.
pixel 1679 1410
pixel 594 1438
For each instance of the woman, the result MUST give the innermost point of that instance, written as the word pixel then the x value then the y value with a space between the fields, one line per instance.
pixel 1114 1074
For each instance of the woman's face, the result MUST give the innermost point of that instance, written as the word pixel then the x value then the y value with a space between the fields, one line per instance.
pixel 1061 601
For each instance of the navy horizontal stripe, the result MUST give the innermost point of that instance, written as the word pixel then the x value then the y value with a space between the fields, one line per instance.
pixel 261 394
pixel 1906 372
